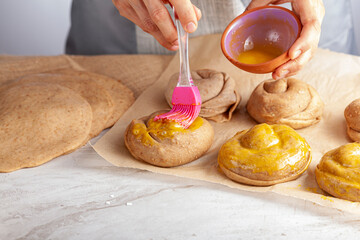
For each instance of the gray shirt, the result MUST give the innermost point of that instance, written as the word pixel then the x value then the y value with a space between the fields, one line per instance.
pixel 97 28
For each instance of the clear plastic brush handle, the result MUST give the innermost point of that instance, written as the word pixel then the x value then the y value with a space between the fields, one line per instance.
pixel 185 79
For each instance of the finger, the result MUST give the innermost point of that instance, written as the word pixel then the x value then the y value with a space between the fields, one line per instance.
pixel 160 16
pixel 311 13
pixel 128 10
pixel 257 3
pixel 308 40
pixel 186 13
pixel 160 38
pixel 197 12
pixel 260 3
pixel 196 9
pixel 125 10
pixel 292 67
pixel 163 42
pixel 136 13
pixel 147 24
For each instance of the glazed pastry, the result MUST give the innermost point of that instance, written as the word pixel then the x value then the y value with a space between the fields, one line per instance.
pixel 286 101
pixel 265 155
pixel 352 116
pixel 217 90
pixel 338 172
pixel 167 143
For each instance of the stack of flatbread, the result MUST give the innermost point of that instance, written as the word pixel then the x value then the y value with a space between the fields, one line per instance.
pixel 45 115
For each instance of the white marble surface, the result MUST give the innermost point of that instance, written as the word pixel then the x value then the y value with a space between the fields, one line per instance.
pixel 81 196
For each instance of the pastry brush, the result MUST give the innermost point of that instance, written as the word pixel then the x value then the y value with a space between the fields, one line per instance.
pixel 186 100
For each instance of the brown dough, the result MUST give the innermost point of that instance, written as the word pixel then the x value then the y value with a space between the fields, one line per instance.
pixel 218 93
pixel 286 101
pixel 98 98
pixel 338 172
pixel 122 97
pixel 265 155
pixel 352 116
pixel 185 146
pixel 40 121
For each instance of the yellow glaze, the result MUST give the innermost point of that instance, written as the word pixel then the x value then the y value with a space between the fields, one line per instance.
pixel 343 164
pixel 259 54
pixel 264 148
pixel 161 130
pixel 312 189
pixel 326 198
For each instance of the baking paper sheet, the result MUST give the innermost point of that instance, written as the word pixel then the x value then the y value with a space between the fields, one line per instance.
pixel 336 77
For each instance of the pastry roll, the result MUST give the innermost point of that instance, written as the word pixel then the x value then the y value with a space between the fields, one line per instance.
pixel 286 101
pixel 218 94
pixel 338 172
pixel 352 116
pixel 265 155
pixel 167 143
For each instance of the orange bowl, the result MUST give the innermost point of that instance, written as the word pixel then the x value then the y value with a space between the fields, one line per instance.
pixel 259 40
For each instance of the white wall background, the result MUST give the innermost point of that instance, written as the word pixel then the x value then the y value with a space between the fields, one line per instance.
pixel 355 4
pixel 34 27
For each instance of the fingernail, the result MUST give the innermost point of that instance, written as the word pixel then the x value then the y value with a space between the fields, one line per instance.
pixel 174 48
pixel 283 73
pixel 175 43
pixel 190 27
pixel 297 54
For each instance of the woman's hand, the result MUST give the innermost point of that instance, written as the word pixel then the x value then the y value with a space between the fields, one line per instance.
pixel 153 17
pixel 311 14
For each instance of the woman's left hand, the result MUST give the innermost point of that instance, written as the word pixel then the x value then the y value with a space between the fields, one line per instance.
pixel 311 14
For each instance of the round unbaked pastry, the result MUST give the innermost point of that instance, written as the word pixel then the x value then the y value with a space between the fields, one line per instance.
pixel 167 143
pixel 265 155
pixel 286 101
pixel 352 116
pixel 338 172
pixel 217 90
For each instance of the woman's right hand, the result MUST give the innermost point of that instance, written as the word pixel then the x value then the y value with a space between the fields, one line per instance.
pixel 153 17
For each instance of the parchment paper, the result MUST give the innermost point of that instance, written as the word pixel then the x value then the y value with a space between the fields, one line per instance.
pixel 137 72
pixel 336 77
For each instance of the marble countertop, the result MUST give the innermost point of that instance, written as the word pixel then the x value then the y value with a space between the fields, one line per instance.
pixel 81 196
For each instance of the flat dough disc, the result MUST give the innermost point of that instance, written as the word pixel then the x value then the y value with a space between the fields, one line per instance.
pixel 40 121
pixel 98 98
pixel 13 67
pixel 122 96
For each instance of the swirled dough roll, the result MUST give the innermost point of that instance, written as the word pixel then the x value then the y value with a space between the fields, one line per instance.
pixel 286 101
pixel 218 93
pixel 167 143
pixel 265 155
pixel 338 172
pixel 352 116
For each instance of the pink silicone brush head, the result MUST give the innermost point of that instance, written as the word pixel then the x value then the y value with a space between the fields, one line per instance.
pixel 186 103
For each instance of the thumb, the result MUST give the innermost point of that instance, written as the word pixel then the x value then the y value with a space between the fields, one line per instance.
pixel 258 3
